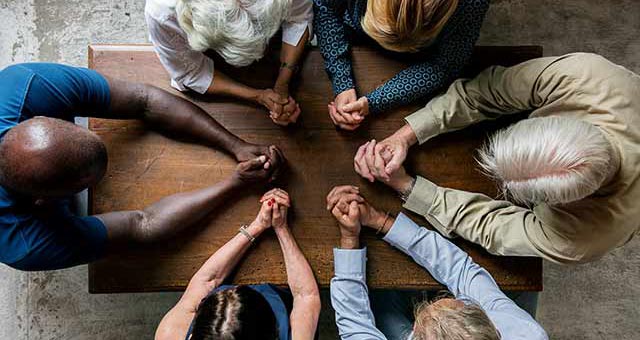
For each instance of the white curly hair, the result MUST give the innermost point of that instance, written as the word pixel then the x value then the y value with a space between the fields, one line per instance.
pixel 238 30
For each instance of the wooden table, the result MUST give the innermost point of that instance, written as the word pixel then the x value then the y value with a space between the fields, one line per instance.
pixel 144 167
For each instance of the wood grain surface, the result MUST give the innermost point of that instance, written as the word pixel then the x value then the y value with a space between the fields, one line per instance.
pixel 145 166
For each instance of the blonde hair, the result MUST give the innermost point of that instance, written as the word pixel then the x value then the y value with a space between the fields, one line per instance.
pixel 238 30
pixel 553 160
pixel 445 323
pixel 406 25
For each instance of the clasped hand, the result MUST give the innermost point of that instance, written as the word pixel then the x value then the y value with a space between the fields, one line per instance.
pixel 383 162
pixel 352 211
pixel 348 111
pixel 274 209
pixel 259 163
pixel 283 109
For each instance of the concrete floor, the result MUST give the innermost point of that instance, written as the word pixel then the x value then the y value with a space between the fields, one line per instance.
pixel 594 301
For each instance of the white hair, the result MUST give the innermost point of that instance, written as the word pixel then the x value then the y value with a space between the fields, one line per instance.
pixel 445 323
pixel 238 30
pixel 553 160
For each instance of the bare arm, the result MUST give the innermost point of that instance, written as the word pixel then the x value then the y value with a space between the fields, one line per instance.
pixel 174 213
pixel 174 116
pixel 306 296
pixel 212 273
pixel 290 56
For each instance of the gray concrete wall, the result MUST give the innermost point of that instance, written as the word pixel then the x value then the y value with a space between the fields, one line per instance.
pixel 594 301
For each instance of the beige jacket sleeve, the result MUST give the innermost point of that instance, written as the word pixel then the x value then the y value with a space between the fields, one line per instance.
pixel 494 92
pixel 499 226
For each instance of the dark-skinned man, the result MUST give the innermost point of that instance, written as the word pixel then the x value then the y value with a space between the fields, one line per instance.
pixel 45 159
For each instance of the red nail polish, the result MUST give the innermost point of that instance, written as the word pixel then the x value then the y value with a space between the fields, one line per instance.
pixel 270 203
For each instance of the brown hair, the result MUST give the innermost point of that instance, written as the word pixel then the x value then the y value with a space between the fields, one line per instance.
pixel 462 323
pixel 238 313
pixel 406 25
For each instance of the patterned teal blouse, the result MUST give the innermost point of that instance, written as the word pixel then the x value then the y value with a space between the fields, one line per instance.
pixel 338 21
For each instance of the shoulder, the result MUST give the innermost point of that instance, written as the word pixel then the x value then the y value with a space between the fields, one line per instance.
pixel 175 324
pixel 470 11
pixel 473 5
pixel 160 10
pixel 12 241
pixel 517 325
pixel 14 84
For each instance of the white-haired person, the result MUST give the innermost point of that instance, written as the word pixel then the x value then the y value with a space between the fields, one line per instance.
pixel 184 31
pixel 569 174
pixel 479 311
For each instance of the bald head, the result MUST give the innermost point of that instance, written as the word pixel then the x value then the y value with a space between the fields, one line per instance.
pixel 51 157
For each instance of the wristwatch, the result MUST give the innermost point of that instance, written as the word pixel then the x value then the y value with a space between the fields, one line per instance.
pixel 404 196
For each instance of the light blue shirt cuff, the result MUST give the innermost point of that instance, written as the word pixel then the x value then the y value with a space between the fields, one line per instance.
pixel 350 262
pixel 402 232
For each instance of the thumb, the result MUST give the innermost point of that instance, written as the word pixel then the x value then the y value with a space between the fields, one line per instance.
pixel 257 162
pixel 351 106
pixel 354 212
pixel 279 100
pixel 394 164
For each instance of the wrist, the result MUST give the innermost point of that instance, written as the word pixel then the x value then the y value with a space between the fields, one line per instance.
pixel 237 148
pixel 349 242
pixel 377 219
pixel 255 229
pixel 257 95
pixel 406 135
pixel 402 185
pixel 282 83
pixel 234 182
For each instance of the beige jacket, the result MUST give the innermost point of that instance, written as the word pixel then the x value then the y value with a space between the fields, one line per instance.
pixel 585 86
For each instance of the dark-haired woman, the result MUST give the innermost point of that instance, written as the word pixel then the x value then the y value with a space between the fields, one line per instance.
pixel 209 310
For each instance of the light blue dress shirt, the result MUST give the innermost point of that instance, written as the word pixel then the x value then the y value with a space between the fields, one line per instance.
pixel 446 262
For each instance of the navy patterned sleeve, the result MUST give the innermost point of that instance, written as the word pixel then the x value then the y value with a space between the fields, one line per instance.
pixel 334 46
pixel 447 58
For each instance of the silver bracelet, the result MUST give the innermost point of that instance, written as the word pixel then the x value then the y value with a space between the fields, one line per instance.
pixel 243 230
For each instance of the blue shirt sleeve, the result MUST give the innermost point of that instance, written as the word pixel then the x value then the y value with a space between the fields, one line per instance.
pixel 452 267
pixel 350 296
pixel 65 92
pixel 446 59
pixel 333 43
pixel 58 240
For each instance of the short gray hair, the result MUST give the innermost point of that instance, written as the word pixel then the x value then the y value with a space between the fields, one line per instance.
pixel 238 30
pixel 553 160
pixel 464 323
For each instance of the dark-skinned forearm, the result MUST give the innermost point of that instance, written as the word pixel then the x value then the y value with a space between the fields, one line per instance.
pixel 176 212
pixel 175 115
pixel 168 216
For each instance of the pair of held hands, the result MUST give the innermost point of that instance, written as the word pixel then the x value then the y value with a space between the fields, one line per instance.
pixel 345 203
pixel 348 111
pixel 258 164
pixel 274 209
pixel 383 160
pixel 283 109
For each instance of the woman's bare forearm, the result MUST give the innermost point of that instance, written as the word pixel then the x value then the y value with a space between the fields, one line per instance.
pixel 299 274
pixel 216 269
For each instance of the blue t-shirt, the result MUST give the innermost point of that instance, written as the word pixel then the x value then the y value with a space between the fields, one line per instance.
pixel 51 236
